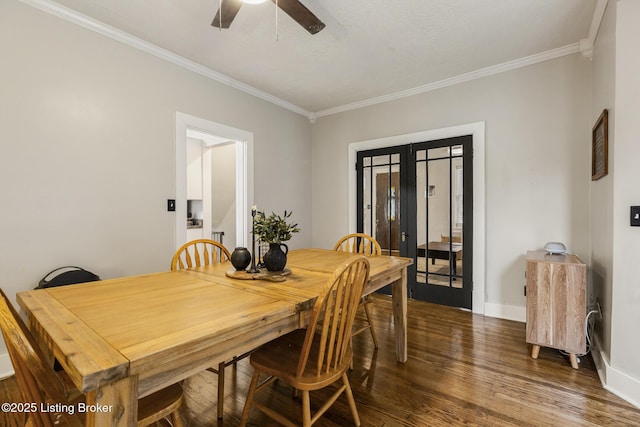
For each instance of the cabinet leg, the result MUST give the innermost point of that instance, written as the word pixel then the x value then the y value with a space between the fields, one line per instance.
pixel 574 361
pixel 535 350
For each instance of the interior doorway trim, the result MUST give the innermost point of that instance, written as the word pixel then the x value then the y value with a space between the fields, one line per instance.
pixel 244 171
pixel 477 131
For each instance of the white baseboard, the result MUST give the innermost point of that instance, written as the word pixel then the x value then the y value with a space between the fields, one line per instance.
pixel 508 312
pixel 6 368
pixel 617 382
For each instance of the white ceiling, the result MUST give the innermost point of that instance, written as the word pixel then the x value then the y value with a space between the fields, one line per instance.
pixel 370 50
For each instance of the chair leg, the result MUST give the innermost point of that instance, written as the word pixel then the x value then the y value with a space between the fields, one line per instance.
pixel 220 390
pixel 306 409
pixel 373 333
pixel 352 402
pixel 249 401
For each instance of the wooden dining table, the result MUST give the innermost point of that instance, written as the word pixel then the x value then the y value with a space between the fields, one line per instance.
pixel 122 339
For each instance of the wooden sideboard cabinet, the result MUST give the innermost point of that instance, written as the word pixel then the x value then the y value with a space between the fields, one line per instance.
pixel 556 303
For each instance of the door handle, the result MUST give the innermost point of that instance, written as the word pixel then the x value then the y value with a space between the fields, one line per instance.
pixel 404 236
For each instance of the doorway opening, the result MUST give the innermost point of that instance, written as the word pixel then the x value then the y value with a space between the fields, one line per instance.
pixel 417 202
pixel 386 158
pixel 214 181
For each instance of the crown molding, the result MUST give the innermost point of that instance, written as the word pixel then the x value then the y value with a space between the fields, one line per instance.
pixel 137 43
pixel 586 44
pixel 462 78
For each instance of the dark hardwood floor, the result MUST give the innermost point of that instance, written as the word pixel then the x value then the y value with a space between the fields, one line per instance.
pixel 463 369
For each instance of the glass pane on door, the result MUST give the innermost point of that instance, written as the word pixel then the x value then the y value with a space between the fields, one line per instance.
pixel 455 234
pixel 381 200
pixel 439 217
pixel 367 196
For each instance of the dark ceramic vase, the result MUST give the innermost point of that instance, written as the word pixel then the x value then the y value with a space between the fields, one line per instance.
pixel 275 259
pixel 240 258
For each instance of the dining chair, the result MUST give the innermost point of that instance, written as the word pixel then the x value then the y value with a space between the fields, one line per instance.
pixel 195 254
pixel 316 357
pixel 43 387
pixel 199 252
pixel 365 244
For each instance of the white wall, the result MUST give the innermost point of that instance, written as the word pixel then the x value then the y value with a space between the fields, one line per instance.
pixel 194 169
pixel 537 151
pixel 615 244
pixel 223 190
pixel 87 152
pixel 603 97
pixel 625 303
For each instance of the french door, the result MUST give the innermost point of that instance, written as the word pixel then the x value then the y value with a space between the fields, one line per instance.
pixel 416 200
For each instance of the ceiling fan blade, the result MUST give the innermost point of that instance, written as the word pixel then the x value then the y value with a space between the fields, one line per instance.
pixel 301 15
pixel 229 10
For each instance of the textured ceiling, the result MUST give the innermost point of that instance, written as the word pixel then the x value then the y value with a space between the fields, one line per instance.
pixel 369 48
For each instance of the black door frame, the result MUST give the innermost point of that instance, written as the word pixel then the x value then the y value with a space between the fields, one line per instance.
pixel 408 210
pixel 403 151
pixel 455 297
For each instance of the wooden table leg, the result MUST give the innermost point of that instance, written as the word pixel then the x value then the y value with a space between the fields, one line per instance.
pixel 113 404
pixel 574 361
pixel 220 410
pixel 399 298
pixel 535 350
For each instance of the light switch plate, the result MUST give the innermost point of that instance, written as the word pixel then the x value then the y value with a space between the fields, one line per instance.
pixel 635 216
pixel 171 205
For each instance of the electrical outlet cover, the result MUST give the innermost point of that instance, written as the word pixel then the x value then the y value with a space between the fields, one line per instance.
pixel 635 216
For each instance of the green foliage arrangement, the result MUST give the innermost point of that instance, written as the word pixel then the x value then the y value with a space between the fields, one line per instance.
pixel 274 228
